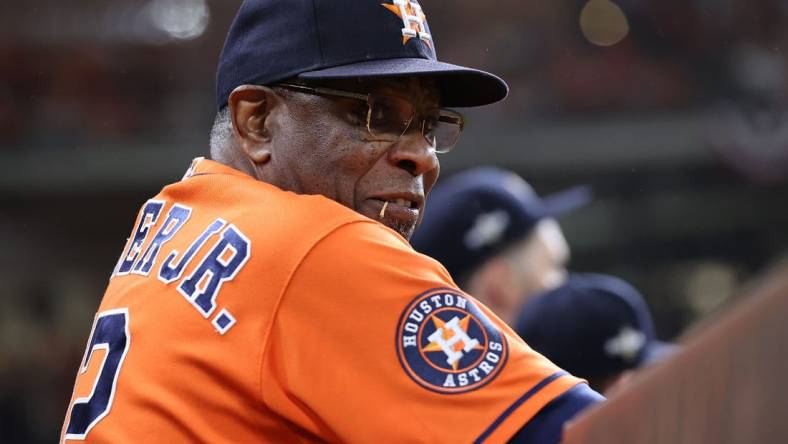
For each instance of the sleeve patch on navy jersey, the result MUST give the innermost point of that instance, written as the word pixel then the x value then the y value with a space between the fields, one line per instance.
pixel 446 344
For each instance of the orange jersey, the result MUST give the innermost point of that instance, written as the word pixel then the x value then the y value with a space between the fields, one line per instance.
pixel 239 313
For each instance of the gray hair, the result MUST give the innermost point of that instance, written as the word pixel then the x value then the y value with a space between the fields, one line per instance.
pixel 221 133
pixel 222 138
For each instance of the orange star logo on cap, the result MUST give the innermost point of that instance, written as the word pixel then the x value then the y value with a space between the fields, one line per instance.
pixel 412 19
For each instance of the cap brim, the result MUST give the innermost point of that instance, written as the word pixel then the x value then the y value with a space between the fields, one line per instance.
pixel 657 351
pixel 559 203
pixel 459 86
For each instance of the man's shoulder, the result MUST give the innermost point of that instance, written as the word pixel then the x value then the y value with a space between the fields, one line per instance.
pixel 259 208
pixel 298 216
pixel 281 228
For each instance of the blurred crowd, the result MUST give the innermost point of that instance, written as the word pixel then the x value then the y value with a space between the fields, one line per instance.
pixel 56 97
pixel 676 55
pixel 41 335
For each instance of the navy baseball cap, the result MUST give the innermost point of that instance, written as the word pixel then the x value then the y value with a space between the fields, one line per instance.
pixel 273 40
pixel 592 326
pixel 477 213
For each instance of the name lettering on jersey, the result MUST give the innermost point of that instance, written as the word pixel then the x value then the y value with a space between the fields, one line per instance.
pixel 147 218
pixel 447 345
pixel 220 264
pixel 172 267
pixel 177 216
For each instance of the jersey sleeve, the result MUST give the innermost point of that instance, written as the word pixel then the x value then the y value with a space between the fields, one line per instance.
pixel 373 342
pixel 548 425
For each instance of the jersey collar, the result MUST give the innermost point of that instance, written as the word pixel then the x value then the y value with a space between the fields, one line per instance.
pixel 201 166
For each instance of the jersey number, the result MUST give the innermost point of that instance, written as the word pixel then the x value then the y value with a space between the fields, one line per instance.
pixel 110 333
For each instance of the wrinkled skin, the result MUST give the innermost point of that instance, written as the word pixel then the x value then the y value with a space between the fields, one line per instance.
pixel 312 144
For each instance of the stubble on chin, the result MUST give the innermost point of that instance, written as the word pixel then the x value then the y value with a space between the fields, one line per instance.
pixel 404 229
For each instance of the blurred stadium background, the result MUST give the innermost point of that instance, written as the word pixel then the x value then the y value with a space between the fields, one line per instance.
pixel 674 111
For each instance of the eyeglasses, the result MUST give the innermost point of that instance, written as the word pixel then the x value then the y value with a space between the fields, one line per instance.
pixel 388 118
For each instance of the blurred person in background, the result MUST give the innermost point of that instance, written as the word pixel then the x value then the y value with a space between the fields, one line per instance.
pixel 595 326
pixel 498 239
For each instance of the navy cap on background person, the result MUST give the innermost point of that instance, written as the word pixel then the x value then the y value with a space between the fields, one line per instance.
pixel 594 326
pixel 338 39
pixel 496 237
pixel 479 212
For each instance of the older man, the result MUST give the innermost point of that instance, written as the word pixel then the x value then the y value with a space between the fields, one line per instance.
pixel 272 295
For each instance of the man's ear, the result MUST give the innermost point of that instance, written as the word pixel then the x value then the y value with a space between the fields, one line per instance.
pixel 249 107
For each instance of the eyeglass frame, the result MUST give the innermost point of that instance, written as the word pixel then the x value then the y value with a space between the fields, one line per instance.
pixel 331 92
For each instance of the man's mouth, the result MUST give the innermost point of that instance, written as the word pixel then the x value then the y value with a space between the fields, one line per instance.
pixel 400 213
pixel 397 207
pixel 405 203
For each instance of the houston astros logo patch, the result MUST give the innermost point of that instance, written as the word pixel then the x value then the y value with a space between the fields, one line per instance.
pixel 447 345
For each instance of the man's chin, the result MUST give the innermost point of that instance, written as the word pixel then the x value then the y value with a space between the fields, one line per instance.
pixel 405 230
pixel 401 223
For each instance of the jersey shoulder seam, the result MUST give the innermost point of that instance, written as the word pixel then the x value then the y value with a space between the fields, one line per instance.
pixel 318 239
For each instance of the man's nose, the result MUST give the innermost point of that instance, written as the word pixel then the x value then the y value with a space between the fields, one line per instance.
pixel 413 153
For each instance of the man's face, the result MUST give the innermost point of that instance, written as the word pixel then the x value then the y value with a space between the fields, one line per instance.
pixel 530 266
pixel 540 259
pixel 321 146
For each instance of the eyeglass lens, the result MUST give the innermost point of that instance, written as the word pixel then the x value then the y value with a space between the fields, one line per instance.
pixel 390 117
